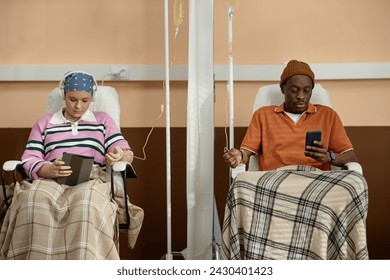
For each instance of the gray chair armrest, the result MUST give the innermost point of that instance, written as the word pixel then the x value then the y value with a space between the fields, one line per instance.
pixel 354 166
pixel 11 165
pixel 122 166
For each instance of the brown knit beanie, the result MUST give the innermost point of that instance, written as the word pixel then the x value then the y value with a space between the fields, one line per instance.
pixel 295 67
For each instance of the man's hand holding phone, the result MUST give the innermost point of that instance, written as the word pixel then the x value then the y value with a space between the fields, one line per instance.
pixel 314 148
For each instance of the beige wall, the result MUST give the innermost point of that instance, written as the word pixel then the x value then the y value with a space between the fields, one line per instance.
pixel 265 32
pixel 131 32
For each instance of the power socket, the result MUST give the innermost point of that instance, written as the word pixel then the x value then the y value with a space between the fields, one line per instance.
pixel 120 72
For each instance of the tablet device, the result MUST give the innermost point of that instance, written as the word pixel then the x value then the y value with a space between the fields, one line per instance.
pixel 81 169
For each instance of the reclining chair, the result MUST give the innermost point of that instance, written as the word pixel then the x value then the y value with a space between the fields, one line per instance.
pixel 296 212
pixel 106 100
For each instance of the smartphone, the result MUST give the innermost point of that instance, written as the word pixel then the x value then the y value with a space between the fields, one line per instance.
pixel 312 136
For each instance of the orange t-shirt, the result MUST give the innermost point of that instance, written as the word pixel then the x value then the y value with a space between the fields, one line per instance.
pixel 280 142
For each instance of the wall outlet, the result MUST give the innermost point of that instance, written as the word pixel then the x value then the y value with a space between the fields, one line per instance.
pixel 120 72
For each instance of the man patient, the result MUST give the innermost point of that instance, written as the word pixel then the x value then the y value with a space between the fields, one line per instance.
pixel 278 133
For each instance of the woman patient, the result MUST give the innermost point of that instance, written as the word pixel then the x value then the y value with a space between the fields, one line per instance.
pixel 47 220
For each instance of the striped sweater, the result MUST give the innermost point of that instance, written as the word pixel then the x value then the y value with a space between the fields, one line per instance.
pixel 94 134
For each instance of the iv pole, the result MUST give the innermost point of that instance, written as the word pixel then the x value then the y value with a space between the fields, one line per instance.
pixel 233 4
pixel 168 255
pixel 230 84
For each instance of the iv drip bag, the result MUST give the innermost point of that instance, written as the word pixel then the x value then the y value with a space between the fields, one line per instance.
pixel 178 12
pixel 233 4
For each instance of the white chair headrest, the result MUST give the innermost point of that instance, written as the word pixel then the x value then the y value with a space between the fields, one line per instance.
pixel 272 95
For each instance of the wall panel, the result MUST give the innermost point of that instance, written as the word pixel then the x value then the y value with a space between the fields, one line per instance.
pixel 148 190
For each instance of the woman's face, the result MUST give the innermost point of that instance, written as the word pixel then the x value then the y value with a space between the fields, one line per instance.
pixel 297 93
pixel 77 103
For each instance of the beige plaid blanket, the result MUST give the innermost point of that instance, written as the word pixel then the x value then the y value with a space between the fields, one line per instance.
pixel 51 221
pixel 298 213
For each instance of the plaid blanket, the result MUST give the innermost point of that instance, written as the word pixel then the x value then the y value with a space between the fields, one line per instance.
pixel 298 213
pixel 51 221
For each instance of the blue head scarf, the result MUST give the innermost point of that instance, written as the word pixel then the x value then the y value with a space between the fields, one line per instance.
pixel 79 81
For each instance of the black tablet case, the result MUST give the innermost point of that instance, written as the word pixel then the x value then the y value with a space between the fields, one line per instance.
pixel 81 169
